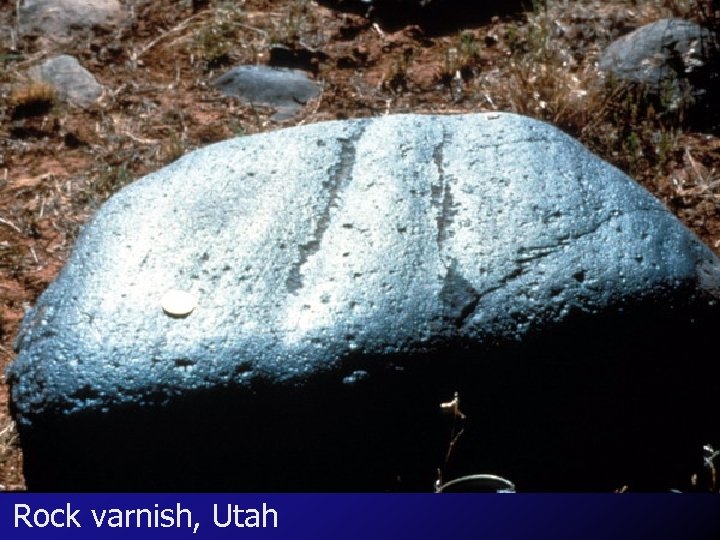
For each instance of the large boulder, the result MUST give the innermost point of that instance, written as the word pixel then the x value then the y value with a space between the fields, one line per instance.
pixel 331 284
pixel 676 61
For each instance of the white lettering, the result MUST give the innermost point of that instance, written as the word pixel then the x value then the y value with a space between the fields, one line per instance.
pixel 23 517
pixel 267 511
pixel 249 517
pixel 98 522
pixel 71 517
pixel 141 518
pixel 57 517
pixel 44 515
pixel 224 524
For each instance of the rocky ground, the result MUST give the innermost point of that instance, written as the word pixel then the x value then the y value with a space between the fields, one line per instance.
pixel 59 162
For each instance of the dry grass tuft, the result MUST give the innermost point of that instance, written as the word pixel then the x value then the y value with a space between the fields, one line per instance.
pixel 8 451
pixel 552 76
pixel 31 99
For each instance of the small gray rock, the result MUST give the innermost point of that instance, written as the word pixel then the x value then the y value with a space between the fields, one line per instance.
pixel 346 278
pixel 676 60
pixel 56 19
pixel 72 82
pixel 286 90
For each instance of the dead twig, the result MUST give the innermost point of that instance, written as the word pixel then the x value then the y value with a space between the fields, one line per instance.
pixel 709 457
pixel 5 433
pixel 140 140
pixel 451 407
pixel 11 225
pixel 182 26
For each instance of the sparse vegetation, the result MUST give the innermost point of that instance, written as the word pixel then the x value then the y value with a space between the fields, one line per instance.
pixel 217 35
pixel 397 80
pixel 31 99
pixel 57 163
pixel 111 180
pixel 644 135
pixel 8 455
pixel 173 148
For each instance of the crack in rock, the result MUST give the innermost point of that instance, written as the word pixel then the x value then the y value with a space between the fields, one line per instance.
pixel 458 296
pixel 536 253
pixel 531 254
pixel 516 141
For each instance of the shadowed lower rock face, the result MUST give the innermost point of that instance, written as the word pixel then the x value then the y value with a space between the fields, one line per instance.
pixel 350 276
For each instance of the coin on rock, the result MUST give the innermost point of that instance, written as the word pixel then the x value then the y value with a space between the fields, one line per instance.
pixel 178 303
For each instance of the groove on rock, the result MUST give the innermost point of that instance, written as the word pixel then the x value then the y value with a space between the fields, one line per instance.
pixel 441 196
pixel 458 296
pixel 337 181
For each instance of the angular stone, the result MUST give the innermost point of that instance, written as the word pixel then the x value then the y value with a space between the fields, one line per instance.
pixel 349 277
pixel 71 81
pixel 676 60
pixel 56 19
pixel 286 90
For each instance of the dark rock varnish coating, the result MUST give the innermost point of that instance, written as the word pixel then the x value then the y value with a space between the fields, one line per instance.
pixel 490 255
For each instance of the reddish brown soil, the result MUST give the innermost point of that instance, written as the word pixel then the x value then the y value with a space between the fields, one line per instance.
pixel 58 166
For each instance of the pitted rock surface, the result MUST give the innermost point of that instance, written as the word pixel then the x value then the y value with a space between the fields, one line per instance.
pixel 349 276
